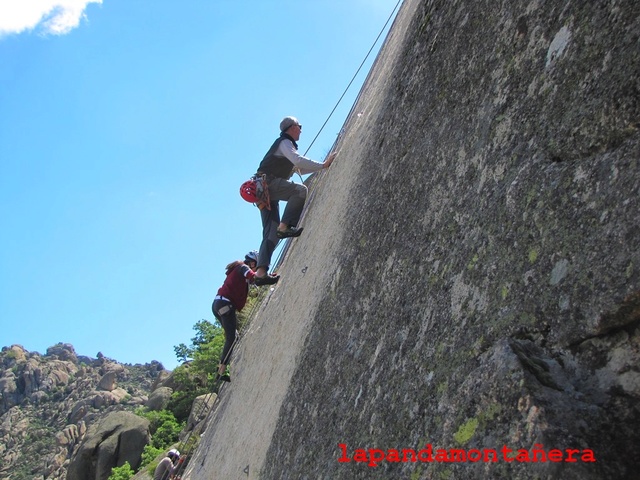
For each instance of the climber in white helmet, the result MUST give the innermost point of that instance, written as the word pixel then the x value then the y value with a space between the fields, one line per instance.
pixel 168 466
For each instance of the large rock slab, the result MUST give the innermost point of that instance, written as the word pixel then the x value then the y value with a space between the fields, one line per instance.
pixel 118 438
pixel 469 272
pixel 159 398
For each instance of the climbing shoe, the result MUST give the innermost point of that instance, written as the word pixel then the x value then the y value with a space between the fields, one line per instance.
pixel 290 232
pixel 266 280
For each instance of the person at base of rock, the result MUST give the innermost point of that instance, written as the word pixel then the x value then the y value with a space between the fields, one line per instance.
pixel 231 297
pixel 278 165
pixel 168 466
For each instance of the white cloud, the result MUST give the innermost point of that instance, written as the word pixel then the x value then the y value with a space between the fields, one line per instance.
pixel 52 16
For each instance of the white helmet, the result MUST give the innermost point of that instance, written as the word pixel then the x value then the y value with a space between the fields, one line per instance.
pixel 252 256
pixel 174 453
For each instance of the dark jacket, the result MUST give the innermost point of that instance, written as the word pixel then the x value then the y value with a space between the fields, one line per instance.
pixel 277 165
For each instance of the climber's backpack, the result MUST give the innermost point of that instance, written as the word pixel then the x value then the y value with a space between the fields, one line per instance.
pixel 256 191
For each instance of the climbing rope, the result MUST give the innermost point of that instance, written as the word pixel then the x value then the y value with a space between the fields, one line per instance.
pixel 314 183
pixel 354 75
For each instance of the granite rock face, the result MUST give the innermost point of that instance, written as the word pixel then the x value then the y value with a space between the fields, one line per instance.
pixel 489 294
pixel 483 289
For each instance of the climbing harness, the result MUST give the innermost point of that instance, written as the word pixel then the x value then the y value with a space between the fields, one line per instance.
pixel 256 191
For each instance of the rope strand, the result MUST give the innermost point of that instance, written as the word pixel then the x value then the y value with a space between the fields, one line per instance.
pixel 353 78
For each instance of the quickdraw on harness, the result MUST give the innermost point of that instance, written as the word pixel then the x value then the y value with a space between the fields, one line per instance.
pixel 256 191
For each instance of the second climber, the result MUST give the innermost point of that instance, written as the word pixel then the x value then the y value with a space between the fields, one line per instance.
pixel 232 297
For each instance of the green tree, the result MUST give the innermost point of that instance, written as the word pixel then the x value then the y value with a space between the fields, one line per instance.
pixel 125 472
pixel 197 377
pixel 149 455
pixel 205 333
pixel 190 383
pixel 163 425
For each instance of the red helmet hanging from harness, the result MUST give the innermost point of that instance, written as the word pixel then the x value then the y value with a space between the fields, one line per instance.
pixel 255 191
pixel 248 191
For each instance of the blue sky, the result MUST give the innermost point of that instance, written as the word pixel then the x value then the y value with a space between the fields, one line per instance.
pixel 126 129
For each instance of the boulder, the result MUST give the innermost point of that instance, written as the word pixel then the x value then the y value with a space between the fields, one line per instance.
pixel 8 384
pixel 109 366
pixel 79 410
pixel 56 461
pixel 108 381
pixel 64 351
pixel 119 394
pixel 139 400
pixel 30 377
pixel 38 397
pixel 101 399
pixel 200 409
pixel 118 438
pixel 164 379
pixel 159 399
pixel 8 391
pixel 14 354
pixel 59 377
pixel 68 435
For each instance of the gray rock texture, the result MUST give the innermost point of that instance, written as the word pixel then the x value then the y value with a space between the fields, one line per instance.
pixel 469 273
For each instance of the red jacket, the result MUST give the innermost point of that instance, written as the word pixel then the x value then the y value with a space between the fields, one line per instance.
pixel 236 285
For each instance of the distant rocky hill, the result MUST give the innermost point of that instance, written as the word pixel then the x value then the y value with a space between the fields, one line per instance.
pixel 51 404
